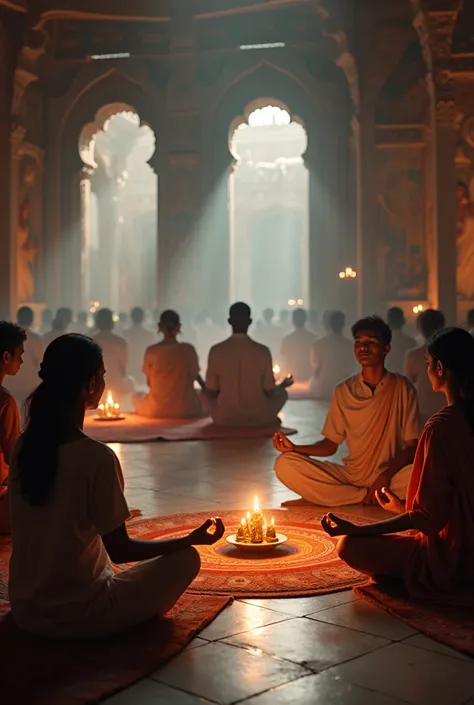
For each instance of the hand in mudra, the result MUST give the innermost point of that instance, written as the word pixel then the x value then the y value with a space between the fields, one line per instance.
pixel 282 443
pixel 335 526
pixel 287 382
pixel 389 501
pixel 203 537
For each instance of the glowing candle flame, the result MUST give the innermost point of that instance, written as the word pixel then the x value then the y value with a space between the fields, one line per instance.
pixel 110 399
pixel 248 516
pixel 256 506
pixel 276 370
pixel 243 522
pixel 273 521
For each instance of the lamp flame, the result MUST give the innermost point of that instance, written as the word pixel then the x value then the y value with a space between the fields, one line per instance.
pixel 110 399
pixel 256 506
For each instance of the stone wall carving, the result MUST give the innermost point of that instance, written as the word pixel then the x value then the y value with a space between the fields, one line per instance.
pixel 400 223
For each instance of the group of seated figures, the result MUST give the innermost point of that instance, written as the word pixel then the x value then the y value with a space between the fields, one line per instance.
pixel 62 493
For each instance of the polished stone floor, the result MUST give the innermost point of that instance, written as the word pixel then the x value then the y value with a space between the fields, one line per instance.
pixel 331 650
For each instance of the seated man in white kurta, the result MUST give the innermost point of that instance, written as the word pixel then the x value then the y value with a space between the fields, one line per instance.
pixel 240 388
pixel 376 414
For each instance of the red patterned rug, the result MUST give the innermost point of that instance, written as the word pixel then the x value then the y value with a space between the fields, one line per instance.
pixel 39 671
pixel 448 624
pixel 306 565
pixel 47 672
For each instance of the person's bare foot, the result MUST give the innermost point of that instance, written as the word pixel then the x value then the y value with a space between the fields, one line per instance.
pixel 300 502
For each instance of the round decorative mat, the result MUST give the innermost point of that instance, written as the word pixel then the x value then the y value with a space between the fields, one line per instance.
pixel 306 565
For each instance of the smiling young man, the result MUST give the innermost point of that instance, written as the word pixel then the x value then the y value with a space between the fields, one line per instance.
pixel 376 414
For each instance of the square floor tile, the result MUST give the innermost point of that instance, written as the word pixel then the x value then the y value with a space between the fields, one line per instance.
pixel 148 692
pixel 413 675
pixel 316 645
pixel 240 617
pixel 196 642
pixel 303 606
pixel 321 689
pixel 420 641
pixel 365 617
pixel 226 674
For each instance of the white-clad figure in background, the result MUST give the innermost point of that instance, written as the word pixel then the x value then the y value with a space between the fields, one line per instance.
pixel 115 352
pixel 332 357
pixel 401 343
pixel 138 339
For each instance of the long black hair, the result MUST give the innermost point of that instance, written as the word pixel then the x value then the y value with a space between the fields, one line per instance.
pixel 454 348
pixel 69 363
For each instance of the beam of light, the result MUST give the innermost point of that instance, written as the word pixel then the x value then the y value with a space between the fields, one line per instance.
pixel 270 45
pixel 101 57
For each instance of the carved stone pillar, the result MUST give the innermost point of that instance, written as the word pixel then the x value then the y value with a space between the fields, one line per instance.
pixel 85 222
pixel 435 28
pixel 364 142
pixel 16 141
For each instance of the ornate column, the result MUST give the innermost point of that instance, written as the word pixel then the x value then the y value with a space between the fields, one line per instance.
pixel 435 28
pixel 16 141
pixel 85 222
pixel 363 127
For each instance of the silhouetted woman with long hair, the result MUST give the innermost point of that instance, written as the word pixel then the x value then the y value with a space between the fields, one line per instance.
pixel 68 515
pixel 437 561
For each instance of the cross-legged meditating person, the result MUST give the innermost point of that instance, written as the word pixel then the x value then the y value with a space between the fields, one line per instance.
pixel 115 351
pixel 12 339
pixel 171 368
pixel 376 414
pixel 332 357
pixel 23 383
pixel 268 333
pixel 401 343
pixel 138 339
pixel 59 325
pixel 296 348
pixel 68 514
pixel 240 388
pixel 436 562
pixel 428 323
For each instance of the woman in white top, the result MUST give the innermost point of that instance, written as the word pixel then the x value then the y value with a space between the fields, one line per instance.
pixel 68 514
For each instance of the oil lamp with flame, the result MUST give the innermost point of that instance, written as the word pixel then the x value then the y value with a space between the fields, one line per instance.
pixel 254 529
pixel 109 410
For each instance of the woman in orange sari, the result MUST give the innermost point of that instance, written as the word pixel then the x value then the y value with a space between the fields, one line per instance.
pixel 435 560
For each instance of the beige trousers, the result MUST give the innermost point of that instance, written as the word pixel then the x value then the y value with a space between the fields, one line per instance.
pixel 148 589
pixel 325 483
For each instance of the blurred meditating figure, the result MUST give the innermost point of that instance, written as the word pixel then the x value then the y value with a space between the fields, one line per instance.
pixel 171 368
pixel 68 514
pixel 332 357
pixel 115 351
pixel 296 348
pixel 60 325
pixel 428 323
pixel 435 560
pixel 284 323
pixel 268 333
pixel 139 339
pixel 470 321
pixel 12 339
pixel 26 380
pixel 401 343
pixel 47 317
pixel 376 414
pixel 81 325
pixel 240 388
